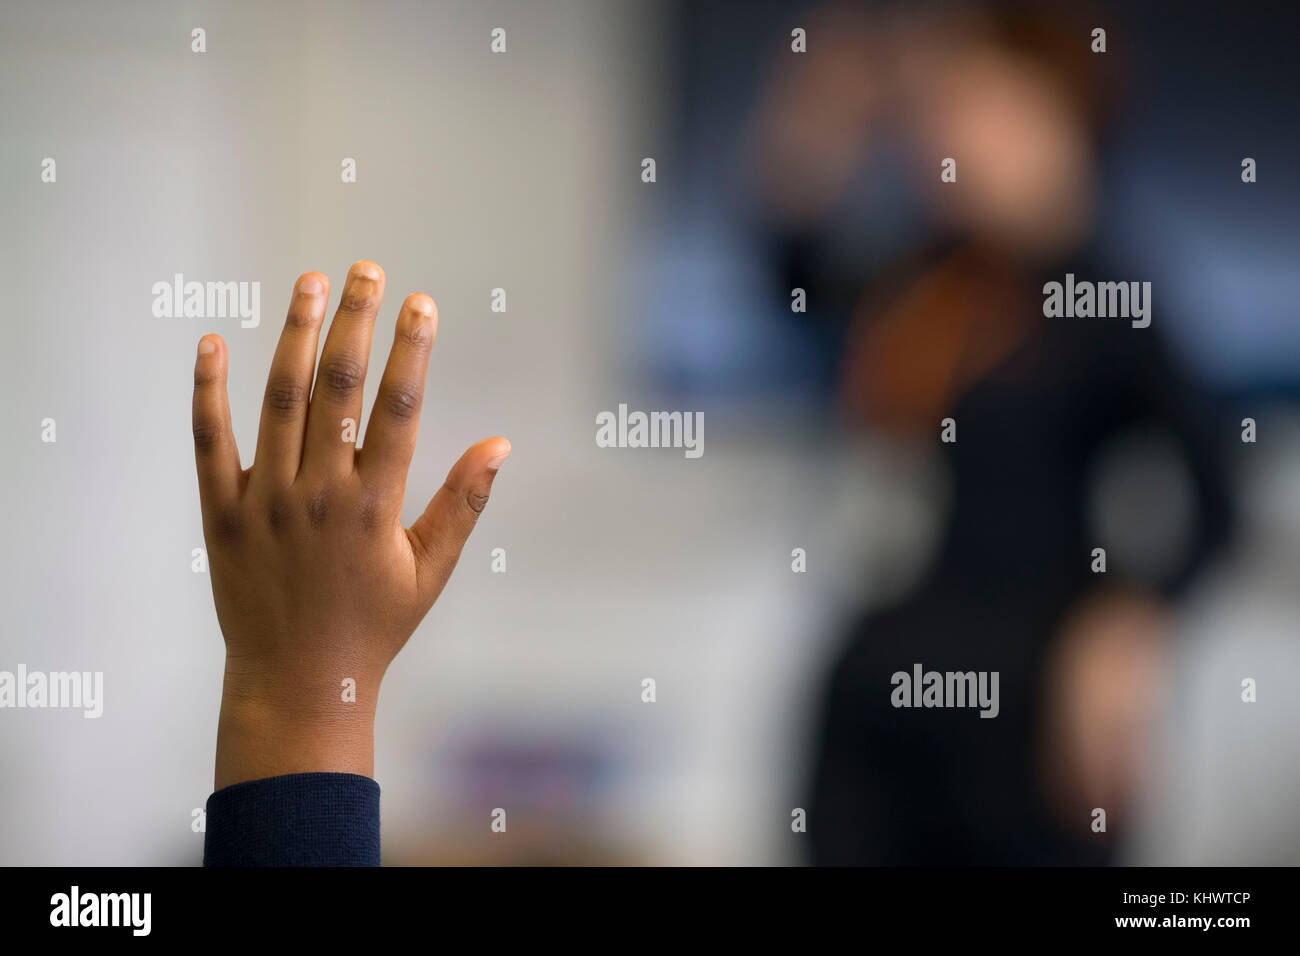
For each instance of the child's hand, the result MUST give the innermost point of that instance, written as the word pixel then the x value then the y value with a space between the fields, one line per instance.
pixel 314 577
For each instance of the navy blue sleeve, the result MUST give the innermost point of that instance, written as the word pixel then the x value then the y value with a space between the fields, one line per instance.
pixel 301 819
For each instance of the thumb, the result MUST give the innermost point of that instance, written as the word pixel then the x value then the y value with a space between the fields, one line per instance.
pixel 439 534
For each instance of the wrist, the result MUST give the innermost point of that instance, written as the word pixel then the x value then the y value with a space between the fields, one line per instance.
pixel 302 725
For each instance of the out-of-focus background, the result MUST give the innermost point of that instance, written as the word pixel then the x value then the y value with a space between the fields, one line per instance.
pixel 775 170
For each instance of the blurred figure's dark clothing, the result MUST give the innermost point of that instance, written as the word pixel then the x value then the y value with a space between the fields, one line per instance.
pixel 943 786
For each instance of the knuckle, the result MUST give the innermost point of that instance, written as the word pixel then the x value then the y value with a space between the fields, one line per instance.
pixel 285 398
pixel 361 299
pixel 402 402
pixel 342 376
pixel 226 525
pixel 371 509
pixel 415 333
pixel 207 434
pixel 206 373
pixel 278 514
pixel 317 509
pixel 476 501
pixel 359 305
pixel 467 505
pixel 300 320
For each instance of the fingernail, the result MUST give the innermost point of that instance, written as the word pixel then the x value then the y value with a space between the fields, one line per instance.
pixel 311 286
pixel 207 346
pixel 495 462
pixel 366 270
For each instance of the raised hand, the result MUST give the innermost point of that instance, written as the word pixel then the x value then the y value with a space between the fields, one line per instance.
pixel 315 580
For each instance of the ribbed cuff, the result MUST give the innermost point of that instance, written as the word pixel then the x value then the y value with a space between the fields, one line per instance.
pixel 300 819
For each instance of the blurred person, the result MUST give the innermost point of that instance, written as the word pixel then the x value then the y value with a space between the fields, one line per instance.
pixel 956 329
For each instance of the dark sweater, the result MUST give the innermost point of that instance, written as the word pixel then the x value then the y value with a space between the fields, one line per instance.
pixel 938 787
pixel 301 819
